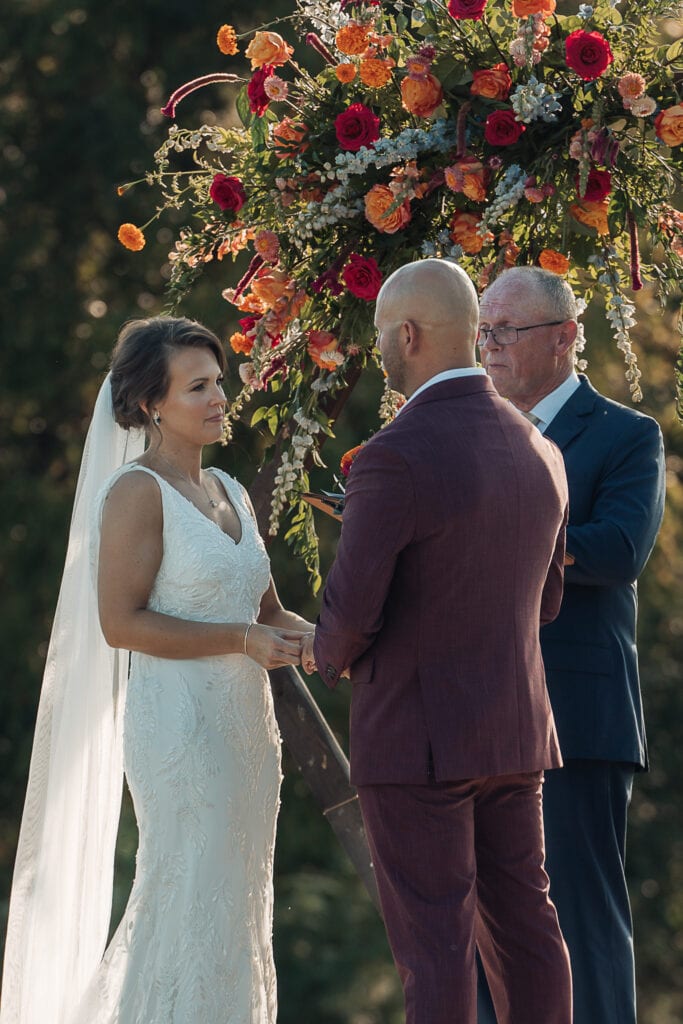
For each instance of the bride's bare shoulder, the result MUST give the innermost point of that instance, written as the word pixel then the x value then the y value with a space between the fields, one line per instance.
pixel 136 495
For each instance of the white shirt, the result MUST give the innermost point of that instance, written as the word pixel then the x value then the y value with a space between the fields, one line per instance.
pixel 548 408
pixel 463 371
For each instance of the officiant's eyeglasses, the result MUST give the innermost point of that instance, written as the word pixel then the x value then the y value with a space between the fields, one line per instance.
pixel 509 335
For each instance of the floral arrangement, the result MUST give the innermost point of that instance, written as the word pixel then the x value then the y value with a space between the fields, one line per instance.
pixel 491 132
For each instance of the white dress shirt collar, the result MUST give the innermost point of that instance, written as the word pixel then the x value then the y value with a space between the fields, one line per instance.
pixel 463 371
pixel 548 408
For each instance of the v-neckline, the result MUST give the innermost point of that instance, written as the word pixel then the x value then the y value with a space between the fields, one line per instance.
pixel 198 510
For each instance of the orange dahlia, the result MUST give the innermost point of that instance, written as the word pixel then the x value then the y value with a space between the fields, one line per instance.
pixel 131 237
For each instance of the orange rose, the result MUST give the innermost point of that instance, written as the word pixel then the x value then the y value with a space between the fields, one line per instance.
pixel 468 176
pixel 421 96
pixel 592 214
pixel 464 232
pixel 131 237
pixel 288 138
pixel 378 202
pixel 669 125
pixel 554 261
pixel 241 343
pixel 270 285
pixel 345 73
pixel 227 40
pixel 375 73
pixel 268 48
pixel 493 83
pixel 525 8
pixel 352 39
pixel 323 348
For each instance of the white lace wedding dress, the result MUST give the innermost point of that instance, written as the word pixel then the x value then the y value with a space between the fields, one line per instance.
pixel 202 760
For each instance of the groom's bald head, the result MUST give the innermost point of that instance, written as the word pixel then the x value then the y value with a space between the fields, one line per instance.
pixel 427 316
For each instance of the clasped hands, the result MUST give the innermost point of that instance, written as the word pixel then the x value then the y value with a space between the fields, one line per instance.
pixel 274 647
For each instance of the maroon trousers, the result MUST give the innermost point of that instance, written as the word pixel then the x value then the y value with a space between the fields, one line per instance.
pixel 460 865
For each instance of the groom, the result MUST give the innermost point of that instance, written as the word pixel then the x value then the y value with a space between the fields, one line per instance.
pixel 450 557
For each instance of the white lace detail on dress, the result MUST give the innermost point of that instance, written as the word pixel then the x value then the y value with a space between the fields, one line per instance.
pixel 202 759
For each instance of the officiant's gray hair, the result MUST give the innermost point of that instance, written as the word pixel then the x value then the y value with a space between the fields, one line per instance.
pixel 550 288
pixel 140 363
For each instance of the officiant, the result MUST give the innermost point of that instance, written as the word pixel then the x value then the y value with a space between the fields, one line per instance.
pixel 615 468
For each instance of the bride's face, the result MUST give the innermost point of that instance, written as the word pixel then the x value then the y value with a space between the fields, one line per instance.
pixel 193 409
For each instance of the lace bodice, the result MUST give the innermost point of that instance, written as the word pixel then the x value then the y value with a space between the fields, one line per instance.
pixel 205 575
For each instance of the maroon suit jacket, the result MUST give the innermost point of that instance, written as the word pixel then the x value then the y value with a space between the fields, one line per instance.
pixel 450 559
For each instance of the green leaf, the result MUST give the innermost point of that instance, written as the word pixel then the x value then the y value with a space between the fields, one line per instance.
pixel 674 51
pixel 259 414
pixel 273 419
pixel 243 108
pixel 258 134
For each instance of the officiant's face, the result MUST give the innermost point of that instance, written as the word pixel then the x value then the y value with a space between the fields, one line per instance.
pixel 521 370
pixel 194 406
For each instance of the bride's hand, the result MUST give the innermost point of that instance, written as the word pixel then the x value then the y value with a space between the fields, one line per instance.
pixel 273 648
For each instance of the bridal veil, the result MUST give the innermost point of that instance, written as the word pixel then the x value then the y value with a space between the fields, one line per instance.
pixel 61 897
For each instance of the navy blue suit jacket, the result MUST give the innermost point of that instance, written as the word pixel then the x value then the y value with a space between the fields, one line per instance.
pixel 614 459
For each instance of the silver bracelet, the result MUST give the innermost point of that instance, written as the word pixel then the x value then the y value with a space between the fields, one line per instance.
pixel 246 634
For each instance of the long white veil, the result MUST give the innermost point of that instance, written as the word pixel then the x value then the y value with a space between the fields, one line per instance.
pixel 61 897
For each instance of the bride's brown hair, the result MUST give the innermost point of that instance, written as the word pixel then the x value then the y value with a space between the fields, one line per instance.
pixel 140 363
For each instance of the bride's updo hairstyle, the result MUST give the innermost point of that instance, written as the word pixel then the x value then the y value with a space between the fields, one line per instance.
pixel 140 363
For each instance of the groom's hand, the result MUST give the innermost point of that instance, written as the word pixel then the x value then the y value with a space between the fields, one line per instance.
pixel 307 658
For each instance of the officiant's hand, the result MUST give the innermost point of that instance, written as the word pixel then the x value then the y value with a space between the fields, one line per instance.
pixel 273 648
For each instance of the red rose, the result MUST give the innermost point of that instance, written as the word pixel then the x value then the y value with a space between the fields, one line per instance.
pixel 470 9
pixel 227 192
pixel 258 101
pixel 362 277
pixel 356 126
pixel 587 53
pixel 598 186
pixel 501 128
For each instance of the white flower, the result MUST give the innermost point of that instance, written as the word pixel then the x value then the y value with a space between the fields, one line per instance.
pixel 643 106
pixel 585 11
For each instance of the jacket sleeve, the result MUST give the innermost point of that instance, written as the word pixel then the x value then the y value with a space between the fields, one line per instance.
pixel 378 522
pixel 614 545
pixel 551 599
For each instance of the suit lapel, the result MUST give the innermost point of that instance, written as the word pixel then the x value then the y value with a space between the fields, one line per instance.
pixel 572 418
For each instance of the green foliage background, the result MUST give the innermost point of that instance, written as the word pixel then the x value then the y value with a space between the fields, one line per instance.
pixel 80 89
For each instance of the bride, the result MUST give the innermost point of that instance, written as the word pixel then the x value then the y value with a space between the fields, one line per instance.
pixel 183 582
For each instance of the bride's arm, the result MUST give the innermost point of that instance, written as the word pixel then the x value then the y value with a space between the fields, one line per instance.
pixel 272 612
pixel 131 549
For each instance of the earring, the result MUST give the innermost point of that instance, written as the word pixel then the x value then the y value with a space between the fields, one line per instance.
pixel 157 419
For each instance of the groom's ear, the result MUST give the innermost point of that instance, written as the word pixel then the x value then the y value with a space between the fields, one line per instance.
pixel 411 336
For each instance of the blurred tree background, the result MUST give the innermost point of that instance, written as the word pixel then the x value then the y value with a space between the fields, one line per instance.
pixel 81 84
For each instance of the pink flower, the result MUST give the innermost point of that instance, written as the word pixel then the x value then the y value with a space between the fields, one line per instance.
pixel 275 88
pixel 631 86
pixel 267 244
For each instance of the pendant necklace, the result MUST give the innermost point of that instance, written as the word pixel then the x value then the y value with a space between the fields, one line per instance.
pixel 212 502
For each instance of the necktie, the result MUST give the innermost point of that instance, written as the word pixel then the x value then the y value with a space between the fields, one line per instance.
pixel 531 417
